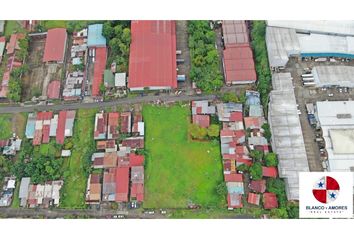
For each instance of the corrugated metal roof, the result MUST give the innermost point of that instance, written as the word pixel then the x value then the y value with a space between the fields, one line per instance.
pixel 98 69
pixel 55 45
pixel 95 37
pixel 152 61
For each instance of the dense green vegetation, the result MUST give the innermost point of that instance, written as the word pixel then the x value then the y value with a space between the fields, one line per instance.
pixel 205 61
pixel 277 186
pixel 232 97
pixel 15 83
pixel 271 160
pixel 41 163
pixel 262 67
pixel 256 171
pixel 77 167
pixel 118 38
pixel 179 171
pixel 201 133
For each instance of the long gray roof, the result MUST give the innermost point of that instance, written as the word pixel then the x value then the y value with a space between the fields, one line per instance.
pixel 287 139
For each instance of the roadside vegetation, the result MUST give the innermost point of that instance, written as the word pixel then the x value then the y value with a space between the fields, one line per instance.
pixel 12 26
pixel 179 171
pixel 76 168
pixel 264 84
pixel 205 61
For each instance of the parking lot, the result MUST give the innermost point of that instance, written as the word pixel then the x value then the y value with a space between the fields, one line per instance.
pixel 306 95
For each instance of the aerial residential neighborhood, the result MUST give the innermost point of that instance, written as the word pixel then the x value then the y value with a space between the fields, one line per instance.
pixel 171 118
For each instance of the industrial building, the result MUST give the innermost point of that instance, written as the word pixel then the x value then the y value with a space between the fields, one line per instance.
pixel 238 60
pixel 55 45
pixel 152 61
pixel 333 76
pixel 287 39
pixel 287 139
pixel 336 119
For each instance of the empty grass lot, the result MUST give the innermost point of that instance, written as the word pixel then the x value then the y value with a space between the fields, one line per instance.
pixel 178 171
pixel 5 126
pixel 75 167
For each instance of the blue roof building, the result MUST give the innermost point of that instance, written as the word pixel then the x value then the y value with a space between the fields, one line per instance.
pixel 30 126
pixel 95 37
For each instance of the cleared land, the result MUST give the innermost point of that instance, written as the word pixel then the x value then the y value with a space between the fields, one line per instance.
pixel 77 166
pixel 178 171
pixel 5 126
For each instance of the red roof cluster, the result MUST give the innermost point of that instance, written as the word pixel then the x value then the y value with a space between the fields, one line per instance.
pixel 41 135
pixel 53 90
pixel 258 185
pixel 233 177
pixel 238 57
pixel 98 70
pixel 152 61
pixel 55 45
pixel 113 122
pixel 253 198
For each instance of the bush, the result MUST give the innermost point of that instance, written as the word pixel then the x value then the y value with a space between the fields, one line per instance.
pixel 197 132
pixel 267 132
pixel 256 171
pixel 293 210
pixel 271 160
pixel 213 131
pixel 256 155
pixel 221 189
pixel 279 213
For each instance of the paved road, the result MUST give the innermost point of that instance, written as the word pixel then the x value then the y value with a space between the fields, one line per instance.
pixel 69 213
pixel 144 99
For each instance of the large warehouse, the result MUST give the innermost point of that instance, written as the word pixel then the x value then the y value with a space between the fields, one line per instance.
pixel 238 60
pixel 152 61
pixel 336 119
pixel 308 39
pixel 287 139
pixel 334 76
pixel 55 45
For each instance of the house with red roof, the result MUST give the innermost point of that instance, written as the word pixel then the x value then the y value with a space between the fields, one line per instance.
pixel 133 143
pixel 65 125
pixel 122 184
pixel 254 122
pixel 270 172
pixel 136 160
pixel 107 145
pixel 229 166
pixel 53 90
pixel 13 44
pixel 42 128
pixel 254 198
pixel 202 107
pixel 55 45
pixel 98 70
pixel 100 126
pixel 113 123
pixel 233 177
pixel 125 122
pixel 234 200
pixel 137 183
pixel 152 61
pixel 258 186
pixel 270 200
pixel 201 120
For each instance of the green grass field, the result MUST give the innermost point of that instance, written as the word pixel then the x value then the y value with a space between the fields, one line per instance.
pixel 75 173
pixel 178 171
pixel 5 126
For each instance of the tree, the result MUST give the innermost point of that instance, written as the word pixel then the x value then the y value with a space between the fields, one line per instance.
pixel 256 171
pixel 213 130
pixel 267 132
pixel 243 168
pixel 279 213
pixel 293 210
pixel 271 160
pixel 221 189
pixel 107 30
pixel 256 155
pixel 102 88
pixel 277 186
pixel 197 132
pixel 230 97
pixel 126 36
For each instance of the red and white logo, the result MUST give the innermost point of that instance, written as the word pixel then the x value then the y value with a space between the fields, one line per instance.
pixel 326 189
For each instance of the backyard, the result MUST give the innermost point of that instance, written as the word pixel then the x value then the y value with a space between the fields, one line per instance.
pixel 77 166
pixel 179 171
